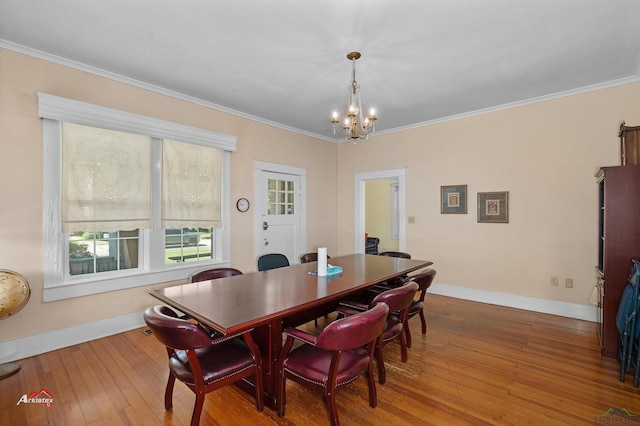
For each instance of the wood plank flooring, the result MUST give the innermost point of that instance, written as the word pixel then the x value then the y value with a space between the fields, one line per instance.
pixel 478 365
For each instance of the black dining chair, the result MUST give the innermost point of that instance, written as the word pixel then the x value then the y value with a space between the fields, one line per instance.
pixel 272 261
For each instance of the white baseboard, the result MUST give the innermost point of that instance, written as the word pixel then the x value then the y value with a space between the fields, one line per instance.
pixel 24 347
pixel 554 307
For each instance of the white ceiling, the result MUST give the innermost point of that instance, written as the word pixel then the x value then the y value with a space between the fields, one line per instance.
pixel 284 61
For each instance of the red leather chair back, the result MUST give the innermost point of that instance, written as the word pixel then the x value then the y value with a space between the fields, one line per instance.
pixel 395 254
pixel 424 279
pixel 354 331
pixel 398 298
pixel 212 274
pixel 174 332
pixel 310 257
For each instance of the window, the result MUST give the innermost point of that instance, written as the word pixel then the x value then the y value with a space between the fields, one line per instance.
pixel 129 200
pixel 188 244
pixel 281 197
pixel 96 252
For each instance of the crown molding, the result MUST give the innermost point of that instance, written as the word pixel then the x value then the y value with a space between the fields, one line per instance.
pixel 153 88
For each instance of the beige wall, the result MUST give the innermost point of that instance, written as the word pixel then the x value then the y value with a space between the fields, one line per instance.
pixel 21 219
pixel 544 154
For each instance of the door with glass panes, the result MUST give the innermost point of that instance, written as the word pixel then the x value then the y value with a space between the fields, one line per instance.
pixel 280 225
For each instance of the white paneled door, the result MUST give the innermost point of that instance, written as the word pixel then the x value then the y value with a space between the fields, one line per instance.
pixel 280 214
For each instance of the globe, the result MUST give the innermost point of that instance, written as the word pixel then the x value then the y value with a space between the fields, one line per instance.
pixel 14 295
pixel 14 292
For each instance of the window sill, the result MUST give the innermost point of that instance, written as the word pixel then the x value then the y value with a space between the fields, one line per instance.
pixel 96 285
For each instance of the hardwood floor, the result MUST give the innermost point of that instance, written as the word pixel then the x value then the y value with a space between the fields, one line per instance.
pixel 478 364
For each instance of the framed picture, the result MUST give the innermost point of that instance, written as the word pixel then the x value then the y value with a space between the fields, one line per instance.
pixel 493 207
pixel 453 199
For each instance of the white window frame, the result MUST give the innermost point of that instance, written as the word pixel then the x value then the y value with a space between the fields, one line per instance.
pixel 58 284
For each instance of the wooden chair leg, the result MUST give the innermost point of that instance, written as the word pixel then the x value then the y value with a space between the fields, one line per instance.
pixel 373 395
pixel 403 347
pixel 332 407
pixel 168 393
pixel 407 332
pixel 258 376
pixel 197 409
pixel 382 374
pixel 424 322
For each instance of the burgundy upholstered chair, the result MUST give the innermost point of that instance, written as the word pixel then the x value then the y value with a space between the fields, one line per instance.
pixel 202 363
pixel 310 257
pixel 424 280
pixel 398 299
pixel 395 254
pixel 398 281
pixel 341 353
pixel 212 274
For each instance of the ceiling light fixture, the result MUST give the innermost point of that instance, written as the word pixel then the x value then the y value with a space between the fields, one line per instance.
pixel 356 126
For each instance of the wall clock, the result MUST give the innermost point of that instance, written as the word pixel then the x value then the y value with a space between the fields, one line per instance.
pixel 242 205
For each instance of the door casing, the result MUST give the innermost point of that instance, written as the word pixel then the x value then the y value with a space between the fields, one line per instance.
pixel 359 208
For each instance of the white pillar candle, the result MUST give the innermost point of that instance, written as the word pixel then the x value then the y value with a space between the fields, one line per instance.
pixel 322 261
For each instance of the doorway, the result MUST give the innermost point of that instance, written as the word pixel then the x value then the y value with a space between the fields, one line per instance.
pixel 396 177
pixel 280 213
pixel 381 212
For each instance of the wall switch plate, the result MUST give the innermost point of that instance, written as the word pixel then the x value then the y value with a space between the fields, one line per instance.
pixel 411 219
pixel 568 282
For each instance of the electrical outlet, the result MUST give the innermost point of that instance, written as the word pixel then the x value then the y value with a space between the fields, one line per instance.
pixel 568 282
pixel 554 281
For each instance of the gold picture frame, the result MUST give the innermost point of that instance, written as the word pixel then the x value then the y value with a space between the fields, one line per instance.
pixel 453 199
pixel 493 207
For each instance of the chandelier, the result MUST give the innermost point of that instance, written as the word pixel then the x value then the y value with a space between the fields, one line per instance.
pixel 355 126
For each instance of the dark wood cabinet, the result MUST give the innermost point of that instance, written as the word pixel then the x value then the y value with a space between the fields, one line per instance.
pixel 629 145
pixel 619 242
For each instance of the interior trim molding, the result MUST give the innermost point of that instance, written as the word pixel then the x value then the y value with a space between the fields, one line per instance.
pixel 24 347
pixel 147 86
pixel 13 350
pixel 553 307
pixel 157 89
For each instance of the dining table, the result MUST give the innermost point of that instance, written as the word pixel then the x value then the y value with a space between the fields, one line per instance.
pixel 266 302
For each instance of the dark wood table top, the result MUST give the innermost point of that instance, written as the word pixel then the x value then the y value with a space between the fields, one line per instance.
pixel 234 304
